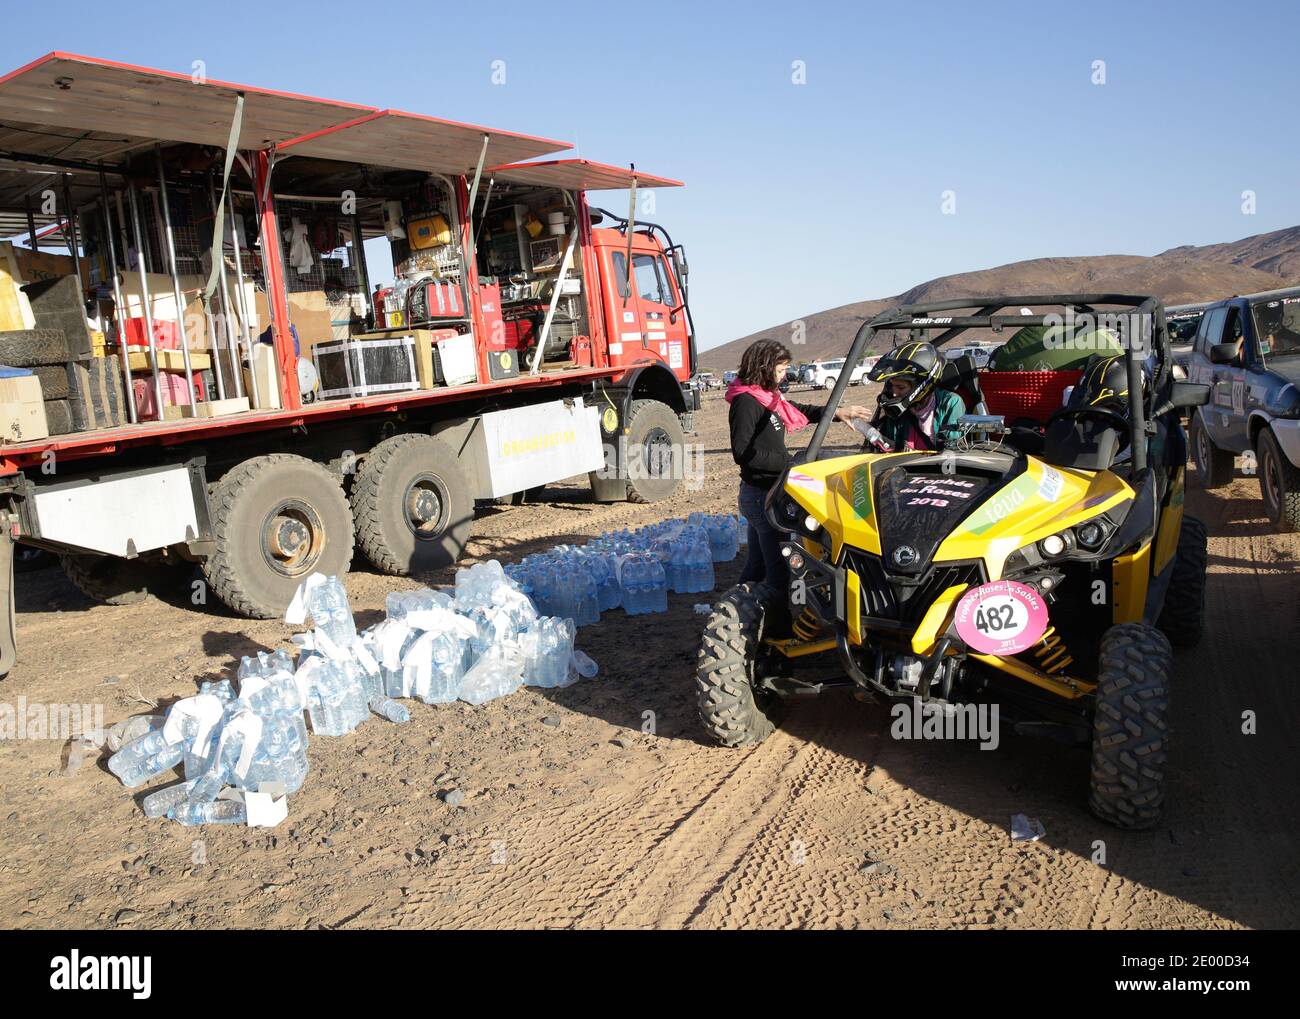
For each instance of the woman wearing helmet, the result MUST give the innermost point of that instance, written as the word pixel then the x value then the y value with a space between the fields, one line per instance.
pixel 913 410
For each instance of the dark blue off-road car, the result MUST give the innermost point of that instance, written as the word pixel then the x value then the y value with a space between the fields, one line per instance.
pixel 1248 350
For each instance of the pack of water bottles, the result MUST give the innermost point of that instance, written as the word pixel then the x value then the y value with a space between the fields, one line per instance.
pixel 632 570
pixel 242 747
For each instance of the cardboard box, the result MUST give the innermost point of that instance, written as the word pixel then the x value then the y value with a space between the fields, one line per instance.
pixel 22 409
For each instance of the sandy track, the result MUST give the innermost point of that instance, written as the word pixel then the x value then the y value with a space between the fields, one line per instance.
pixel 562 826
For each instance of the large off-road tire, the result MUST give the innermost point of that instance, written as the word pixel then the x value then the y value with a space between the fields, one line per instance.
pixel 412 505
pixel 1182 619
pixel 1214 465
pixel 276 520
pixel 1279 482
pixel 1130 734
pixel 656 447
pixel 733 711
pixel 54 381
pixel 27 348
pixel 113 581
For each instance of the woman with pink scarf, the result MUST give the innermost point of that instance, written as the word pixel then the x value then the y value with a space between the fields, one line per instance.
pixel 760 417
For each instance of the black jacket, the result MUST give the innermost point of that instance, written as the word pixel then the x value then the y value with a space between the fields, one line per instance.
pixel 758 439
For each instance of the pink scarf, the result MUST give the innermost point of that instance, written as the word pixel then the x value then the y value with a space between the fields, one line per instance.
pixel 791 416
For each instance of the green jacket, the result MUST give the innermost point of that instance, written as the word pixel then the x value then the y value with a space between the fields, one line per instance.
pixel 948 407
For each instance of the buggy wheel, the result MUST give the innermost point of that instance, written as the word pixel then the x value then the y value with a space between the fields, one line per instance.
pixel 1130 734
pixel 734 712
pixel 1183 616
pixel 1214 465
pixel 1279 483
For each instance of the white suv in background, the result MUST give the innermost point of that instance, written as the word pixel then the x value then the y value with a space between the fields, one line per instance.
pixel 827 373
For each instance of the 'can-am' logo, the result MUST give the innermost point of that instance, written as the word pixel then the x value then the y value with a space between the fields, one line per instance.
pixel 904 555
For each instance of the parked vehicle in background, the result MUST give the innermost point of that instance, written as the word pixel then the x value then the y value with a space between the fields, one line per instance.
pixel 826 374
pixel 1247 349
pixel 729 377
pixel 1183 321
pixel 707 380
pixel 978 354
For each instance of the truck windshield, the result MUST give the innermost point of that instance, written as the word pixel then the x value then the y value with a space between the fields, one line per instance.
pixel 1277 325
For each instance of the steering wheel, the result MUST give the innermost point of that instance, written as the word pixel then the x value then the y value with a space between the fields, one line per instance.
pixel 1109 416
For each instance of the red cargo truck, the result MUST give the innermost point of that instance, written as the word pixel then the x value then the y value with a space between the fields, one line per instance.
pixel 527 337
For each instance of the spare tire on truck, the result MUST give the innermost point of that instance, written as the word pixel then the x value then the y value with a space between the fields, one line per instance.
pixel 276 520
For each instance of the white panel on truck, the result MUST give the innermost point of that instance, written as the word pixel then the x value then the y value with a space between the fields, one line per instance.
pixel 151 509
pixel 517 449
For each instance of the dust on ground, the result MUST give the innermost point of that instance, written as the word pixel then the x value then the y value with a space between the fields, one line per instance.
pixel 601 805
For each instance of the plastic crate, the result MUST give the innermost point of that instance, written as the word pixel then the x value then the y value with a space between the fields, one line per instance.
pixel 1033 395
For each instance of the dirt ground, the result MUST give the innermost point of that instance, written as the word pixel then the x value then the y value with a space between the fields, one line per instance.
pixel 574 815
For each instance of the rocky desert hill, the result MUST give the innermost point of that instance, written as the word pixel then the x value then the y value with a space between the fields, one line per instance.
pixel 1179 276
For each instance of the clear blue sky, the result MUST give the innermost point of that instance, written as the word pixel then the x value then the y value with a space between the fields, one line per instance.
pixel 802 197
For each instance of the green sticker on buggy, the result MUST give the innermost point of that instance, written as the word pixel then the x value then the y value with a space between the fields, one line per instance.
pixel 1002 505
pixel 860 492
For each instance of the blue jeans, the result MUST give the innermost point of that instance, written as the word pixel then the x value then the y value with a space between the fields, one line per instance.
pixel 764 561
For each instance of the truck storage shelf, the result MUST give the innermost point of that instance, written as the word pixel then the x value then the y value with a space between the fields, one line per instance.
pixel 14 457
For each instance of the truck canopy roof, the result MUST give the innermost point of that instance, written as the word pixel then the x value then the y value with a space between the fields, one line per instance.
pixel 579 175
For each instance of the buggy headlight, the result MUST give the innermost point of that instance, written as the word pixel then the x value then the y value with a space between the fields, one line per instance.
pixel 1053 545
pixel 1090 535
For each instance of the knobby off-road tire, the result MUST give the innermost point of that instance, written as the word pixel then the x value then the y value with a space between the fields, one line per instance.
pixel 1182 619
pixel 113 581
pixel 276 520
pixel 1214 465
pixel 1130 734
pixel 653 432
pixel 734 713
pixel 412 505
pixel 1279 483
pixel 28 348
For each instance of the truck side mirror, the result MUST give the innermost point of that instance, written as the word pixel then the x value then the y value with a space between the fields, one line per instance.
pixel 679 260
pixel 1223 353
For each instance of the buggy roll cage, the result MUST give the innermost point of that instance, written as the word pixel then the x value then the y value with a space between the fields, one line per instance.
pixel 920 319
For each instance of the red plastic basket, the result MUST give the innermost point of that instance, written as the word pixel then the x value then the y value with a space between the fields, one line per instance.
pixel 1033 395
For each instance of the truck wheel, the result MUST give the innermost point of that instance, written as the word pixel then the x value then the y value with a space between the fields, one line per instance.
pixel 733 711
pixel 1130 735
pixel 276 520
pixel 113 581
pixel 1213 464
pixel 412 505
pixel 1279 483
pixel 1183 617
pixel 656 448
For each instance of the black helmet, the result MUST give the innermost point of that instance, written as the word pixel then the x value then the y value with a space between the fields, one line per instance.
pixel 1104 385
pixel 918 363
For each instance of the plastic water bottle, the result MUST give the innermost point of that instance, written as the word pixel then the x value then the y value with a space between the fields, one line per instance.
pixel 326 601
pixel 656 586
pixel 132 728
pixel 630 573
pixel 212 812
pixel 495 674
pixel 159 802
pixel 547 646
pixel 583 664
pixel 386 707
pixel 142 758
